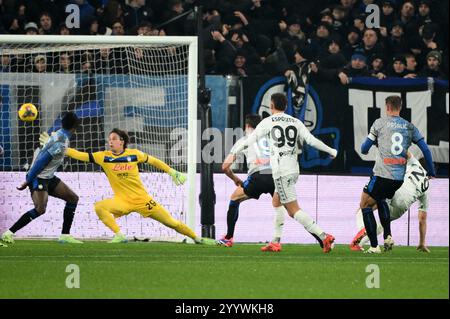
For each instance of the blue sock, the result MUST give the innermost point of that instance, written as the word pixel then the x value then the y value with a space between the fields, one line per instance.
pixel 385 217
pixel 24 220
pixel 232 217
pixel 69 212
pixel 371 226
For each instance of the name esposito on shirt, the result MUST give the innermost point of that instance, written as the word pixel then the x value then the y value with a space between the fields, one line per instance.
pixel 283 119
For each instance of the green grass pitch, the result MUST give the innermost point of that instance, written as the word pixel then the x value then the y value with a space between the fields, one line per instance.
pixel 37 269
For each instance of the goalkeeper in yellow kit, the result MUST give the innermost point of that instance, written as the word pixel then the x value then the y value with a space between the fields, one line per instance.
pixel 120 165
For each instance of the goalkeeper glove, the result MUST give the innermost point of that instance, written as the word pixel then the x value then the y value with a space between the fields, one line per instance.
pixel 43 138
pixel 177 177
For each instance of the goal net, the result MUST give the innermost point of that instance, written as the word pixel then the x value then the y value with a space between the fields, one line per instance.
pixel 144 85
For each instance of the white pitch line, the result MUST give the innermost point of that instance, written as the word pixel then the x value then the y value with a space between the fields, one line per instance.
pixel 308 258
pixel 205 261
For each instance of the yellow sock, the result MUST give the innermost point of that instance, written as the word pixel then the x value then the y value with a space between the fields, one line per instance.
pixel 107 218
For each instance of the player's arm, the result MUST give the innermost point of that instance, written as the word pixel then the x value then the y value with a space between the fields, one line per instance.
pixel 43 159
pixel 79 156
pixel 370 140
pixel 427 155
pixel 262 129
pixel 311 140
pixel 418 139
pixel 422 215
pixel 177 177
pixel 226 168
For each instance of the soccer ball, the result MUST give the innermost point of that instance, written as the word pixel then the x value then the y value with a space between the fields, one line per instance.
pixel 28 112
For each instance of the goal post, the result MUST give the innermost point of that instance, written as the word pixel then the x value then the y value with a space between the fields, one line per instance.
pixel 146 85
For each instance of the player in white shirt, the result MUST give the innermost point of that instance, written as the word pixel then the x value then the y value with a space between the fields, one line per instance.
pixel 284 133
pixel 258 182
pixel 414 189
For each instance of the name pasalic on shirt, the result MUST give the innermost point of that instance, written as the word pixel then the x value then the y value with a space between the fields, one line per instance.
pixel 397 125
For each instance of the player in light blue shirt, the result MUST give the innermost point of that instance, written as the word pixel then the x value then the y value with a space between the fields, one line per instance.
pixel 42 182
pixel 393 136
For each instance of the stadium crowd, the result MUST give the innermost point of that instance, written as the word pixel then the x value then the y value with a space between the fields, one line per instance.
pixel 326 38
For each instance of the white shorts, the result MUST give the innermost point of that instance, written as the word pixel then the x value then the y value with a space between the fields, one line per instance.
pixel 285 187
pixel 400 203
pixel 396 211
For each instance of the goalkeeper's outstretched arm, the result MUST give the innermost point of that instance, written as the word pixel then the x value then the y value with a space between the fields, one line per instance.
pixel 177 177
pixel 79 156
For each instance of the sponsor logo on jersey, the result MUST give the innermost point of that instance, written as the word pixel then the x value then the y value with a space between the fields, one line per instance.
pixel 394 161
pixel 122 167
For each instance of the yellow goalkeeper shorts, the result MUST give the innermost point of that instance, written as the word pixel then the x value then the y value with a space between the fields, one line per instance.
pixel 118 207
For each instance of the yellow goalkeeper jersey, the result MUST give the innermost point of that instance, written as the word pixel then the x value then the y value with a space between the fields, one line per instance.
pixel 122 170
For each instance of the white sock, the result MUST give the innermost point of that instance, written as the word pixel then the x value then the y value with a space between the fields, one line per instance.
pixel 359 220
pixel 380 229
pixel 310 225
pixel 364 241
pixel 280 213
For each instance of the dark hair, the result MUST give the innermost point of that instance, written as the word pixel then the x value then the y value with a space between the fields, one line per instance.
pixel 70 121
pixel 252 120
pixel 279 101
pixel 123 136
pixel 394 102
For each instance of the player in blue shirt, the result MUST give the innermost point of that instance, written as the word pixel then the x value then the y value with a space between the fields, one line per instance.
pixel 42 182
pixel 393 136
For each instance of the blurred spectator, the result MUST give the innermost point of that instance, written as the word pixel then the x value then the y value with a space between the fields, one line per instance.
pixel 63 29
pixel 352 42
pixel 87 62
pixel 135 13
pixel 357 67
pixel 425 42
pixel 397 42
pixel 360 22
pixel 11 24
pixel 433 66
pixel 320 39
pixel 240 64
pixel 5 63
pixel 267 33
pixel 46 24
pixel 144 28
pixel 65 63
pixel 398 68
pixel 377 67
pixel 408 18
pixel 31 28
pixel 370 45
pixel 40 64
pixel 424 12
pixel 113 12
pixel 117 28
pixel 411 63
pixel 388 14
pixel 291 29
pixel 175 8
pixel 333 58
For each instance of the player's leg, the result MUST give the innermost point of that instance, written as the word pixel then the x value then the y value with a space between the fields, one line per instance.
pixel 236 199
pixel 280 212
pixel 107 211
pixel 366 204
pixel 286 194
pixel 59 189
pixel 39 195
pixel 159 213
pixel 389 189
